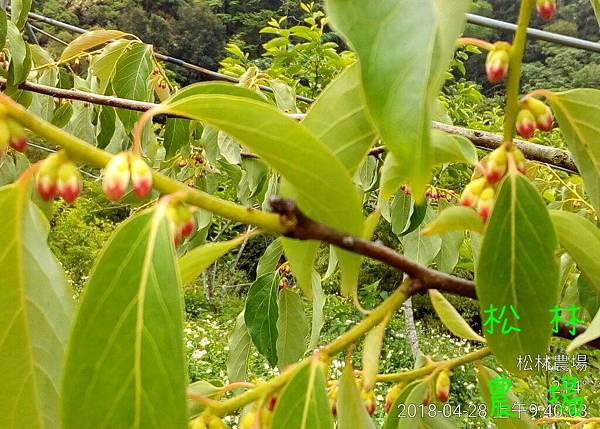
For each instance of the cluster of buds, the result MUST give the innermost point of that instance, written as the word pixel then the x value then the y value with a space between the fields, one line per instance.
pixel 182 221
pixel 497 62
pixel 534 114
pixel 285 272
pixel 546 9
pixel 11 134
pixel 442 385
pixel 368 397
pixel 123 168
pixel 207 420
pixel 432 193
pixel 480 194
pixel 58 176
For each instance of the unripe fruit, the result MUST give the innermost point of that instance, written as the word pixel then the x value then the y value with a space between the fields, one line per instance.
pixel 546 9
pixel 69 182
pixel 47 176
pixel 442 385
pixel 141 177
pixel 496 65
pixel 526 124
pixel 486 203
pixel 116 177
pixel 18 138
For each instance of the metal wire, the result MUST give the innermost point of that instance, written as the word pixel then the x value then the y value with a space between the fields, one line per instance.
pixel 47 149
pixel 48 35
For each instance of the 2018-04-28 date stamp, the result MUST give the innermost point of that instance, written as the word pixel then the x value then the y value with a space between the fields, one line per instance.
pixel 474 410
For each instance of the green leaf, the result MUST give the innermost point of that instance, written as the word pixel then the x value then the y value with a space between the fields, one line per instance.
pixel 371 354
pixel 301 256
pixel 591 333
pixel 35 315
pixel 577 112
pixel 393 418
pixel 239 351
pixel 105 64
pixel 201 388
pixel 449 148
pixel 107 126
pixel 401 84
pixel 452 318
pixel 285 97
pixel 581 239
pixel 589 299
pixel 132 80
pixel 521 421
pixel 419 248
pixel 230 150
pixel 303 404
pixel 261 315
pixel 177 135
pixel 125 359
pixel 269 261
pixel 455 218
pixel 3 28
pixel 517 267
pixel 212 88
pixel 20 56
pixel 339 118
pixel 80 124
pixel 318 303
pixel 62 114
pixel 193 263
pixel 90 41
pixel 401 211
pixel 292 328
pixel 19 10
pixel 351 411
pixel 596 6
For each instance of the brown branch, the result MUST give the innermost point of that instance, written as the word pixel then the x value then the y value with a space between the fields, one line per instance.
pixel 301 227
pixel 481 139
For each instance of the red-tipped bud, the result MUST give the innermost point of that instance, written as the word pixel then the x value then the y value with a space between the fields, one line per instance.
pixel 526 124
pixel 496 165
pixel 545 122
pixel 392 395
pixel 18 138
pixel 442 386
pixel 542 113
pixel 271 403
pixel 47 176
pixel 486 203
pixel 369 401
pixel 141 177
pixel 116 177
pixel 519 159
pixel 546 9
pixel 69 182
pixel 470 195
pixel 496 65
pixel 4 135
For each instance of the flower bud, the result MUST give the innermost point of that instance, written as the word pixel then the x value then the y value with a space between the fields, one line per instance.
pixel 4 134
pixel 442 385
pixel 542 113
pixel 116 177
pixel 69 182
pixel 18 138
pixel 141 177
pixel 470 195
pixel 526 123
pixel 519 159
pixel 546 9
pixel 186 220
pixel 496 165
pixel 247 421
pixel 332 391
pixel 486 203
pixel 369 401
pixel 392 395
pixel 47 176
pixel 496 65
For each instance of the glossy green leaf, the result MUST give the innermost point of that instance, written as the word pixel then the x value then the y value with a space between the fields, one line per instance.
pixel 292 328
pixel 520 421
pixel 239 351
pixel 596 6
pixel 351 411
pixel 125 359
pixel 213 88
pixel 419 248
pixel 452 318
pixel 301 256
pixel 332 263
pixel 80 124
pixel 90 41
pixel 517 267
pixel 455 218
pixel 19 10
pixel 452 241
pixel 401 84
pixel 230 150
pixel 35 315
pixel 371 354
pixel 261 315
pixel 62 114
pixel 401 211
pixel 105 64
pixel 449 148
pixel 106 125
pixel 269 261
pixel 177 135
pixel 285 97
pixel 581 239
pixel 303 403
pixel 132 80
pixel 417 217
pixel 339 118
pixel 392 177
pixel 20 56
pixel 318 304
pixel 193 263
pixel 577 112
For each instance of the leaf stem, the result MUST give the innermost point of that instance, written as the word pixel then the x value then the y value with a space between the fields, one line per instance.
pixel 514 71
pixel 86 153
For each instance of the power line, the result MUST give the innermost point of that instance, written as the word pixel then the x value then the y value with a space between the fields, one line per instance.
pixel 48 35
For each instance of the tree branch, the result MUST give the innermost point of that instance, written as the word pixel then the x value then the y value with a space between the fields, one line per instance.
pixel 484 140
